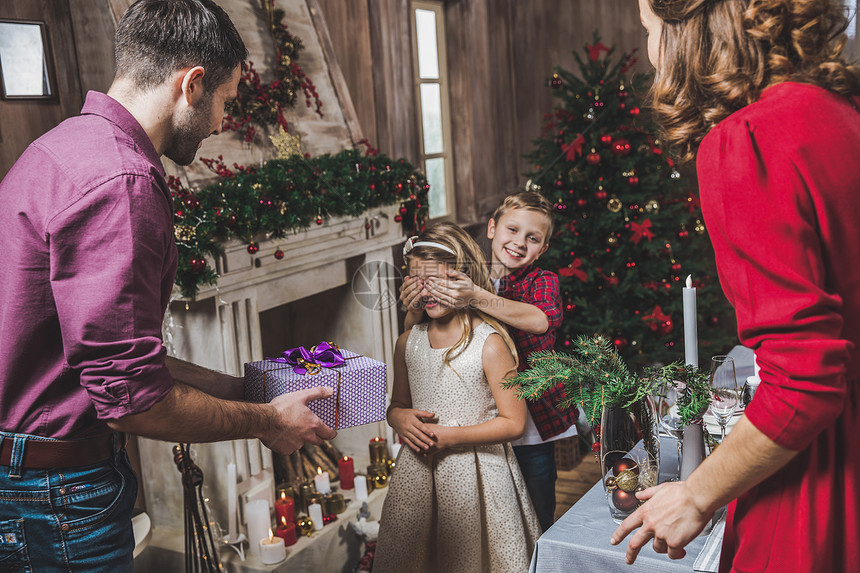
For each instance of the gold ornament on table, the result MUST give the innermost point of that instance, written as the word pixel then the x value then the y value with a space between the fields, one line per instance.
pixel 380 480
pixel 614 205
pixel 286 144
pixel 390 463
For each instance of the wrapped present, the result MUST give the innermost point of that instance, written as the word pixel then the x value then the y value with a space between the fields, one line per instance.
pixel 358 382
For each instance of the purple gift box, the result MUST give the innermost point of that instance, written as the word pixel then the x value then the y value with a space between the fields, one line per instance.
pixel 359 386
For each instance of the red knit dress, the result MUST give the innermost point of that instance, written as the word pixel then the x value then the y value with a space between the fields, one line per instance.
pixel 780 189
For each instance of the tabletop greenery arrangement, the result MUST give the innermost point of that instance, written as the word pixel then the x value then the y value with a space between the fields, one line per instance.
pixel 595 376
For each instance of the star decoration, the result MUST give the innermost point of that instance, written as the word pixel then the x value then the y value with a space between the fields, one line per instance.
pixel 286 143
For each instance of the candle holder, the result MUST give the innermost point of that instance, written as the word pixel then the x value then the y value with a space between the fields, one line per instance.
pixel 380 480
pixel 378 451
pixel 321 499
pixel 286 489
pixel 374 469
pixel 335 503
pixel 390 463
pixel 307 490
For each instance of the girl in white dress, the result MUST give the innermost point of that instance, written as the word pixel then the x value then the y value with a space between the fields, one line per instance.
pixel 457 500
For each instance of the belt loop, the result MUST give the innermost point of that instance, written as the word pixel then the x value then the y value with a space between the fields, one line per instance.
pixel 16 464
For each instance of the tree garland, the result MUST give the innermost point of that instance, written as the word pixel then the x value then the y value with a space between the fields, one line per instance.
pixel 595 376
pixel 286 195
pixel 262 105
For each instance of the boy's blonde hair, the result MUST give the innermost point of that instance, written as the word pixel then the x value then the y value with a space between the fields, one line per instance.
pixel 530 201
pixel 468 259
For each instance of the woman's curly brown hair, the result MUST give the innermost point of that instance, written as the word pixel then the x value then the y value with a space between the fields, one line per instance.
pixel 717 56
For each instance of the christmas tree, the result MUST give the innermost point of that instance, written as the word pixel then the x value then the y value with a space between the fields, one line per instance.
pixel 629 228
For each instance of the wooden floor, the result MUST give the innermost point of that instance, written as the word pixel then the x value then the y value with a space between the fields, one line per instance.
pixel 573 484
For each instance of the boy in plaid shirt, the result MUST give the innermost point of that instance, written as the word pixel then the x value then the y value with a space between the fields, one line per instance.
pixel 527 299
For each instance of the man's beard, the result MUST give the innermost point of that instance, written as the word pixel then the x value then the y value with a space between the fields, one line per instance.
pixel 188 133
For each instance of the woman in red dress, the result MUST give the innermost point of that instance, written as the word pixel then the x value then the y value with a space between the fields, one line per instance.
pixel 757 92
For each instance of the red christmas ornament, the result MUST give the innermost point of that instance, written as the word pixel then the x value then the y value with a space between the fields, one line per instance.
pixel 555 82
pixel 403 209
pixel 606 140
pixel 625 464
pixel 683 234
pixel 622 94
pixel 581 202
pixel 600 195
pixel 676 267
pixel 666 327
pixel 621 147
pixel 634 111
pixel 623 500
pixel 593 158
pixel 398 218
pixel 319 221
pixel 633 181
pixel 197 265
pixel 620 343
pixel 279 254
pixel 253 247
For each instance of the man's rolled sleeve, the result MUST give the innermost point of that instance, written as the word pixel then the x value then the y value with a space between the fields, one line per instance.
pixel 109 253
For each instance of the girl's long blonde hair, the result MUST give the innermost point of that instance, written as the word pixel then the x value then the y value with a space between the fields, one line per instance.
pixel 717 56
pixel 467 259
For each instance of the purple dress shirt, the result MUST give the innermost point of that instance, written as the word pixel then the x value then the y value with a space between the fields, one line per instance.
pixel 87 262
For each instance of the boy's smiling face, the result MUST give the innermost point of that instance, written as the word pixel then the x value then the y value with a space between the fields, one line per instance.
pixel 519 238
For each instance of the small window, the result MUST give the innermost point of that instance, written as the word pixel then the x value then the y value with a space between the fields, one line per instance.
pixel 432 94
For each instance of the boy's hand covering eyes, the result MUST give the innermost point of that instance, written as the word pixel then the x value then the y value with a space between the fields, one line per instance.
pixel 456 290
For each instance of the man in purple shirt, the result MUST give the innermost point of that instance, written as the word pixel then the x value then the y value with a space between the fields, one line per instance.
pixel 87 269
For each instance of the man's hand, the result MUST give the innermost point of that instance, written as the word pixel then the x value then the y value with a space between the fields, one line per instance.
pixel 410 426
pixel 294 424
pixel 670 516
pixel 455 291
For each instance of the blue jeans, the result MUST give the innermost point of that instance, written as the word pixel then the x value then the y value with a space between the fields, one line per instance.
pixel 537 463
pixel 74 519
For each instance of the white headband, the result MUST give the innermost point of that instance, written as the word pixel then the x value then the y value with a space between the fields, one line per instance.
pixel 413 242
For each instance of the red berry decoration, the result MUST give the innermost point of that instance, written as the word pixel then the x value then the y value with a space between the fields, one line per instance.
pixel 197 265
pixel 623 500
pixel 676 267
pixel 683 234
pixel 622 94
pixel 621 147
pixel 600 195
pixel 606 140
pixel 625 464
pixel 634 111
pixel 620 343
pixel 633 181
pixel 555 82
pixel 253 247
pixel 593 158
pixel 279 254
pixel 192 202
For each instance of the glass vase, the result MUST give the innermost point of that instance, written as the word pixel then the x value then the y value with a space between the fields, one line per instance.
pixel 626 465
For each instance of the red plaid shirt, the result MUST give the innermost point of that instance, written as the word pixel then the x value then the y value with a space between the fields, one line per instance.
pixel 539 287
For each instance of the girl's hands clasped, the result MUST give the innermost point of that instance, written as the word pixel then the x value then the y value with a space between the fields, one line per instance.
pixel 410 426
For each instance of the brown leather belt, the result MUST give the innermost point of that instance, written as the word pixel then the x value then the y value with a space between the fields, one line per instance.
pixel 43 455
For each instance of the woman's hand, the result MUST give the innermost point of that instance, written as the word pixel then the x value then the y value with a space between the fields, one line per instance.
pixel 410 426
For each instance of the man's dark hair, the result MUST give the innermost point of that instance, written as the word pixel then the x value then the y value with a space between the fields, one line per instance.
pixel 155 38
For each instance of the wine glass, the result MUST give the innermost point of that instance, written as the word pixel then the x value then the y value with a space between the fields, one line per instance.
pixel 669 423
pixel 726 394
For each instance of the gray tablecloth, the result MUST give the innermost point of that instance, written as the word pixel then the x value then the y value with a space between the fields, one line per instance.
pixel 579 541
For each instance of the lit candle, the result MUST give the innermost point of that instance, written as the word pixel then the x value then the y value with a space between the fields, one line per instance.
pixel 232 500
pixel 259 520
pixel 346 468
pixel 321 481
pixel 272 549
pixel 378 450
pixel 316 515
pixel 287 532
pixel 360 488
pixel 691 344
pixel 285 508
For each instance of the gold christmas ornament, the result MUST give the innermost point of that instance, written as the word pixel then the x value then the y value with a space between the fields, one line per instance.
pixel 610 483
pixel 305 525
pixel 612 240
pixel 652 206
pixel 614 205
pixel 286 144
pixel 627 480
pixel 699 228
pixel 184 232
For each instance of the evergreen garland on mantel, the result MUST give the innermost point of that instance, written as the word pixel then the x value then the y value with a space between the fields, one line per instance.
pixel 283 196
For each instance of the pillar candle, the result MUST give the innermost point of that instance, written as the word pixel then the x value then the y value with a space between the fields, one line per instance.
pixel 346 468
pixel 316 515
pixel 259 521
pixel 271 549
pixel 321 481
pixel 232 500
pixel 360 488
pixel 691 342
pixel 378 450
pixel 285 508
pixel 287 531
